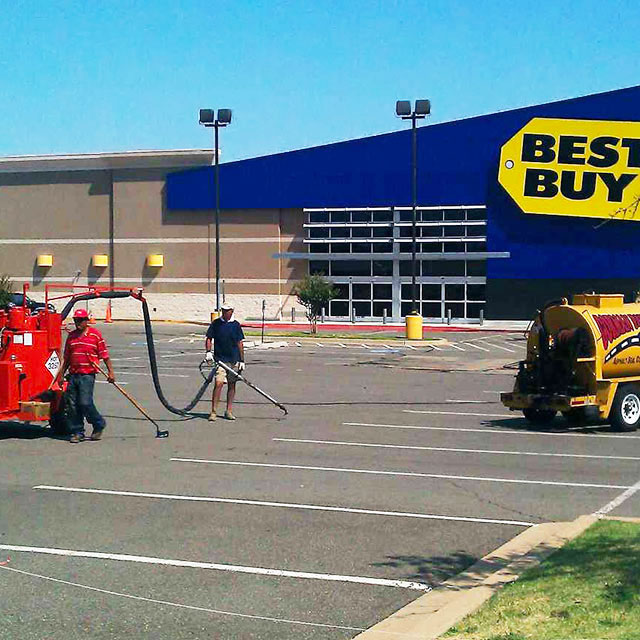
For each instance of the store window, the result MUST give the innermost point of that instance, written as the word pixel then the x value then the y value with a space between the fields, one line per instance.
pixel 319 216
pixel 351 268
pixel 382 292
pixel 382 216
pixel 319 267
pixel 382 268
pixel 451 233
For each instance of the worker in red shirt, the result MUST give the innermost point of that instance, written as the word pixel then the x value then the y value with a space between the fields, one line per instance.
pixel 83 351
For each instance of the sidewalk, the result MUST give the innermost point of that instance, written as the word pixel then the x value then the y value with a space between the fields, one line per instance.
pixel 389 328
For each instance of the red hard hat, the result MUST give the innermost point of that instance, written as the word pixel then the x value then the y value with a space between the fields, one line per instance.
pixel 80 314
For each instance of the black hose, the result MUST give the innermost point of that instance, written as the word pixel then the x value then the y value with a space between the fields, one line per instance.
pixel 545 331
pixel 93 296
pixel 150 345
pixel 154 369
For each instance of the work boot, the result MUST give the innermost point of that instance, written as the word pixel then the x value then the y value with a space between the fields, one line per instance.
pixel 96 434
pixel 76 437
pixel 229 416
pixel 212 416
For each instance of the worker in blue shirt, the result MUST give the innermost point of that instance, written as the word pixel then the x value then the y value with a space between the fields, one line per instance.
pixel 227 339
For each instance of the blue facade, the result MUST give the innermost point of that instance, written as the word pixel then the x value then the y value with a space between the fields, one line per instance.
pixel 457 164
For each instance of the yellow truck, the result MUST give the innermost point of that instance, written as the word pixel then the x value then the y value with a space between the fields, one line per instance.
pixel 583 359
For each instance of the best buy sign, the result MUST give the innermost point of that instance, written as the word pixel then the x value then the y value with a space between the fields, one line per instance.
pixel 574 168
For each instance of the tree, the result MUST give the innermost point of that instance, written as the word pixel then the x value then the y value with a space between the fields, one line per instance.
pixel 6 289
pixel 314 293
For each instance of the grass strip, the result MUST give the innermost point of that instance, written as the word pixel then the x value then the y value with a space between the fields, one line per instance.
pixel 588 590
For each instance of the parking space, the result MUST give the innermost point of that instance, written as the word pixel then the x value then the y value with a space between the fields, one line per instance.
pixel 395 469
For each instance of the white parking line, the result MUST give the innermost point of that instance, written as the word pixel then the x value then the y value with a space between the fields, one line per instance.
pixel 508 432
pixel 163 375
pixel 410 474
pixel 617 501
pixel 455 346
pixel 433 346
pixel 460 413
pixel 455 450
pixel 177 367
pixel 182 355
pixel 475 346
pixel 178 604
pixel 497 346
pixel 287 505
pixel 123 557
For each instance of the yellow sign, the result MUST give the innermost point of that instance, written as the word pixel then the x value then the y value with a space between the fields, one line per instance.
pixel 587 168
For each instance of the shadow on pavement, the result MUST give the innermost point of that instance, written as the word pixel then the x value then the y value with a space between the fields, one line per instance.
pixel 431 570
pixel 25 431
pixel 191 416
pixel 558 425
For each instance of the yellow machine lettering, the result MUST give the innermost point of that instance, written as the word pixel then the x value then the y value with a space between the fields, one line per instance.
pixel 587 168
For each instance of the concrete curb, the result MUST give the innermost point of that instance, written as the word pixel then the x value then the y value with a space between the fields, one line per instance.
pixel 261 346
pixel 432 614
pixel 621 519
pixel 371 342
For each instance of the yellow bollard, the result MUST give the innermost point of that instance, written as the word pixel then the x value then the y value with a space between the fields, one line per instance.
pixel 215 315
pixel 413 327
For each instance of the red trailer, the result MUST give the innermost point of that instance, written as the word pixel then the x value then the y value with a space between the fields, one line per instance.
pixel 31 353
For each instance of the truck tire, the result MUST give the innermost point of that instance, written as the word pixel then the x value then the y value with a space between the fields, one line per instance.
pixel 539 416
pixel 625 410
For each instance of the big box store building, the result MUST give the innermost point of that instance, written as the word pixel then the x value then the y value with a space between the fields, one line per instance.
pixel 514 208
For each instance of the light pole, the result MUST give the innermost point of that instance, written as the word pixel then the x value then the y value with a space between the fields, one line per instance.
pixel 208 119
pixel 404 111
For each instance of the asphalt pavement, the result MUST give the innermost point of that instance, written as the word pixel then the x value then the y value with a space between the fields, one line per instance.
pixel 396 468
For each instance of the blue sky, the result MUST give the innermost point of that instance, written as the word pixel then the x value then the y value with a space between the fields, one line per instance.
pixel 118 75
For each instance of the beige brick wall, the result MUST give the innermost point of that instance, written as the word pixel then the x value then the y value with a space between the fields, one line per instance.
pixel 50 210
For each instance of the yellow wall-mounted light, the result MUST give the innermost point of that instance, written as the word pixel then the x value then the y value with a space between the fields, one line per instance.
pixel 45 260
pixel 100 260
pixel 155 260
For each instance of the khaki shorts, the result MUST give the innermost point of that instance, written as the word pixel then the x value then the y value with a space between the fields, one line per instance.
pixel 221 373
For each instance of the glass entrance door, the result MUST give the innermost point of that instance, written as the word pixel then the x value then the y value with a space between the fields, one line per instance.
pixel 463 298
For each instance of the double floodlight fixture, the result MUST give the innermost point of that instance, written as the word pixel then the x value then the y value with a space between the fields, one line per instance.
pixel 404 110
pixel 208 117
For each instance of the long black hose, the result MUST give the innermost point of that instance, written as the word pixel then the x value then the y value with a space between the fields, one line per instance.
pixel 94 295
pixel 150 345
pixel 154 369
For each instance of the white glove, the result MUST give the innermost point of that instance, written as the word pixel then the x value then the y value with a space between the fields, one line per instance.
pixel 241 367
pixel 208 357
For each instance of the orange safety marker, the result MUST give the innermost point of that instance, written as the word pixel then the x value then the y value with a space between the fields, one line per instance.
pixel 108 319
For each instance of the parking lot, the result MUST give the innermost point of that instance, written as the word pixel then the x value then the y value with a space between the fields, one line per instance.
pixel 396 468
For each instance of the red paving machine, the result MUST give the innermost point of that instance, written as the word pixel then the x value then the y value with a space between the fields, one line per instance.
pixel 31 353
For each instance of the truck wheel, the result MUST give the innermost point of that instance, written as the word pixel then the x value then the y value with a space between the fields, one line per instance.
pixel 625 410
pixel 539 416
